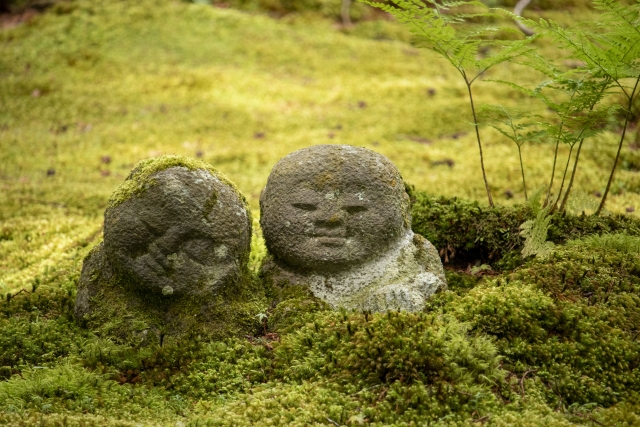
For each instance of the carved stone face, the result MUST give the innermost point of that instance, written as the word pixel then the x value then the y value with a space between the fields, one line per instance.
pixel 329 208
pixel 187 233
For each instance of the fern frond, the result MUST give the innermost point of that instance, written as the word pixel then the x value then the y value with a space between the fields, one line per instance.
pixel 509 51
pixel 431 24
pixel 616 13
pixel 535 201
pixel 535 230
pixel 517 125
pixel 613 51
pixel 515 86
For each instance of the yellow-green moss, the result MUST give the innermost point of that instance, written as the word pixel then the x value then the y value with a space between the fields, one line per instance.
pixel 140 178
pixel 528 344
pixel 123 80
pixel 571 320
pixel 132 316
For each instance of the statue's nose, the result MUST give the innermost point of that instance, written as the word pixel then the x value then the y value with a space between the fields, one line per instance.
pixel 330 215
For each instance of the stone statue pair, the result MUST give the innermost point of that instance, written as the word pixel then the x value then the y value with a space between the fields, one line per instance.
pixel 336 219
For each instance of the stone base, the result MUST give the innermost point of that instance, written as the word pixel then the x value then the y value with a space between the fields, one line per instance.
pixel 113 308
pixel 401 279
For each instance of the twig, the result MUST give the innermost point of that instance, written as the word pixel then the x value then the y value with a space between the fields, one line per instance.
pixel 615 163
pixel 594 420
pixel 381 396
pixel 475 122
pixel 589 417
pixel 365 389
pixel 482 419
pixel 333 422
pixel 523 377
pixel 346 14
pixel 10 297
pixel 520 6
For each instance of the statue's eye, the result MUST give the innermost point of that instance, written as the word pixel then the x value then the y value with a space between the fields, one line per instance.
pixel 355 209
pixel 305 206
pixel 152 230
pixel 198 249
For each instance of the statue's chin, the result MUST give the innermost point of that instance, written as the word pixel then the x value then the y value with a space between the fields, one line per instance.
pixel 327 264
pixel 330 255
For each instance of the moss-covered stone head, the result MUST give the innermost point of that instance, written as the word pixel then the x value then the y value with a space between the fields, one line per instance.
pixel 332 207
pixel 177 227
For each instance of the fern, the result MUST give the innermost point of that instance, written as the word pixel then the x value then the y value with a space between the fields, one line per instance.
pixel 608 50
pixel 535 230
pixel 515 124
pixel 573 97
pixel 610 54
pixel 433 24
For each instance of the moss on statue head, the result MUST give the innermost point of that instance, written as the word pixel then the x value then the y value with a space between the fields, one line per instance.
pixel 141 177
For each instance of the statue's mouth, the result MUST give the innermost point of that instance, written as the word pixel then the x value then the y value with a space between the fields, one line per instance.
pixel 330 240
pixel 154 265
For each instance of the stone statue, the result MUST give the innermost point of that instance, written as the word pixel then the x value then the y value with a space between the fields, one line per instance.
pixel 337 218
pixel 186 235
pixel 177 237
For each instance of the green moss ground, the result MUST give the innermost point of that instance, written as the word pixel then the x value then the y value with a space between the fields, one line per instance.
pixel 90 88
pixel 552 343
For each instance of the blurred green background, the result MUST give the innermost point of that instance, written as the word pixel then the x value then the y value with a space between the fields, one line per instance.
pixel 88 88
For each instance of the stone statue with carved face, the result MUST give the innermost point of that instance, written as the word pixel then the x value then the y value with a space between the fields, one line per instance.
pixel 337 218
pixel 177 237
pixel 183 236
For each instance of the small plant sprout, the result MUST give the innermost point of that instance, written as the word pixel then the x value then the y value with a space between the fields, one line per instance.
pixel 434 25
pixel 263 318
pixel 535 230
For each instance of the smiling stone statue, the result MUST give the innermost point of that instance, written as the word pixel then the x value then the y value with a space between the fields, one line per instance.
pixel 337 218
pixel 174 259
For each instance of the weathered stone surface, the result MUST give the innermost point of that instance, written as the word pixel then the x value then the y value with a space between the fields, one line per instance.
pixel 188 233
pixel 174 258
pixel 337 219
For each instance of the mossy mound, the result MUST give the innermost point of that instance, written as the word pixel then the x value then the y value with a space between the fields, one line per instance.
pixel 570 322
pixel 506 351
pixel 465 232
pixel 293 307
pixel 121 312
